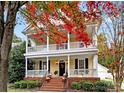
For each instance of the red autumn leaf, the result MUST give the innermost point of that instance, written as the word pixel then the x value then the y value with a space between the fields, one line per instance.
pixel 52 7
pixel 68 28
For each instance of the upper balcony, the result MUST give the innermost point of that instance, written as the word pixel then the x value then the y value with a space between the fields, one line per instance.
pixel 63 46
pixel 33 47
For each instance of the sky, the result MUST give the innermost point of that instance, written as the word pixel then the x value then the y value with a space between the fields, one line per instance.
pixel 20 26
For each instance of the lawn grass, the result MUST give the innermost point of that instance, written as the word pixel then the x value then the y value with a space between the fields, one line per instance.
pixel 111 80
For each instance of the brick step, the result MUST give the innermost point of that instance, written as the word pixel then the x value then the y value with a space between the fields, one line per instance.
pixel 59 85
pixel 55 79
pixel 56 90
pixel 54 82
pixel 53 87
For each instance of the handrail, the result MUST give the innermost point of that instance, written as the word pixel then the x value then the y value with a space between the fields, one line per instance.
pixel 44 78
pixel 73 45
pixel 83 72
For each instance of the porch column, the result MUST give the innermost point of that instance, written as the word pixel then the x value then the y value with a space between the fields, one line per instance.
pixel 47 42
pixel 95 64
pixel 95 36
pixel 26 43
pixel 47 63
pixel 68 65
pixel 68 41
pixel 26 65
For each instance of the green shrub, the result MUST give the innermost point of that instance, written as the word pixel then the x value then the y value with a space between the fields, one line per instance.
pixel 27 84
pixel 101 86
pixel 110 84
pixel 38 83
pixel 76 85
pixel 81 82
pixel 87 85
pixel 56 72
pixel 32 84
pixel 23 84
pixel 17 84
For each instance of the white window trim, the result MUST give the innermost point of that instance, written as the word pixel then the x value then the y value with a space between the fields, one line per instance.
pixel 43 61
pixel 83 61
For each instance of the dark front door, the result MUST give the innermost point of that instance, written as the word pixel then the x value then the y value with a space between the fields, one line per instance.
pixel 61 69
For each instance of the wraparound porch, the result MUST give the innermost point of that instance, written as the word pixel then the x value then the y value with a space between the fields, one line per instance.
pixel 75 66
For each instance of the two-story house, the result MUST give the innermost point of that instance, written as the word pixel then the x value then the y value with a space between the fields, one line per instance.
pixel 70 57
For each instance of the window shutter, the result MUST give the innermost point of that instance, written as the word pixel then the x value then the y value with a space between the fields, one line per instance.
pixel 86 63
pixel 49 66
pixel 40 65
pixel 76 63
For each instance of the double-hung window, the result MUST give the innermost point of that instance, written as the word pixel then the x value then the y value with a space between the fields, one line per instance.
pixel 81 65
pixel 43 65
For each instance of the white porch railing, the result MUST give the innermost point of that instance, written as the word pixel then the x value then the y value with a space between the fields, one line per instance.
pixel 36 73
pixel 64 46
pixel 37 48
pixel 83 72
pixel 80 45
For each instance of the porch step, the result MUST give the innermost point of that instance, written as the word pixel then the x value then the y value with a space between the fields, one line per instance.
pixel 53 90
pixel 55 84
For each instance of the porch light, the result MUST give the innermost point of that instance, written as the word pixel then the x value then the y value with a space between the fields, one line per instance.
pixel 56 62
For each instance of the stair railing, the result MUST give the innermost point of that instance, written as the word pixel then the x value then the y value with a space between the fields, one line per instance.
pixel 65 81
pixel 44 78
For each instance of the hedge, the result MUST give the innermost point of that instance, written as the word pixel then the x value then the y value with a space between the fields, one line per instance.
pixel 27 84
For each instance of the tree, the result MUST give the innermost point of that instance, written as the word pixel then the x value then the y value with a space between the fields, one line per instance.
pixel 101 39
pixel 40 13
pixel 8 11
pixel 112 55
pixel 16 39
pixel 43 17
pixel 16 69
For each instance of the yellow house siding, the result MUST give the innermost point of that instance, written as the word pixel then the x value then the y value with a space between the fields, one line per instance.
pixel 72 63
pixel 90 62
pixel 53 66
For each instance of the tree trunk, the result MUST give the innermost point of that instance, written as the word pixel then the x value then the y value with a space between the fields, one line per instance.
pixel 4 73
pixel 118 84
pixel 5 46
pixel 118 87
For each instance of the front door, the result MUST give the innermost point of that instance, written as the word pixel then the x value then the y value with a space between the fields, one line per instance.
pixel 61 68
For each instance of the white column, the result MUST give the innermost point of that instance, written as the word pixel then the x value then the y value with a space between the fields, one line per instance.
pixel 26 43
pixel 26 65
pixel 95 36
pixel 68 65
pixel 68 40
pixel 95 63
pixel 47 42
pixel 47 63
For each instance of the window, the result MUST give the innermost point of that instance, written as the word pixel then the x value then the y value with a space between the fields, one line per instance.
pixel 81 63
pixel 43 65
